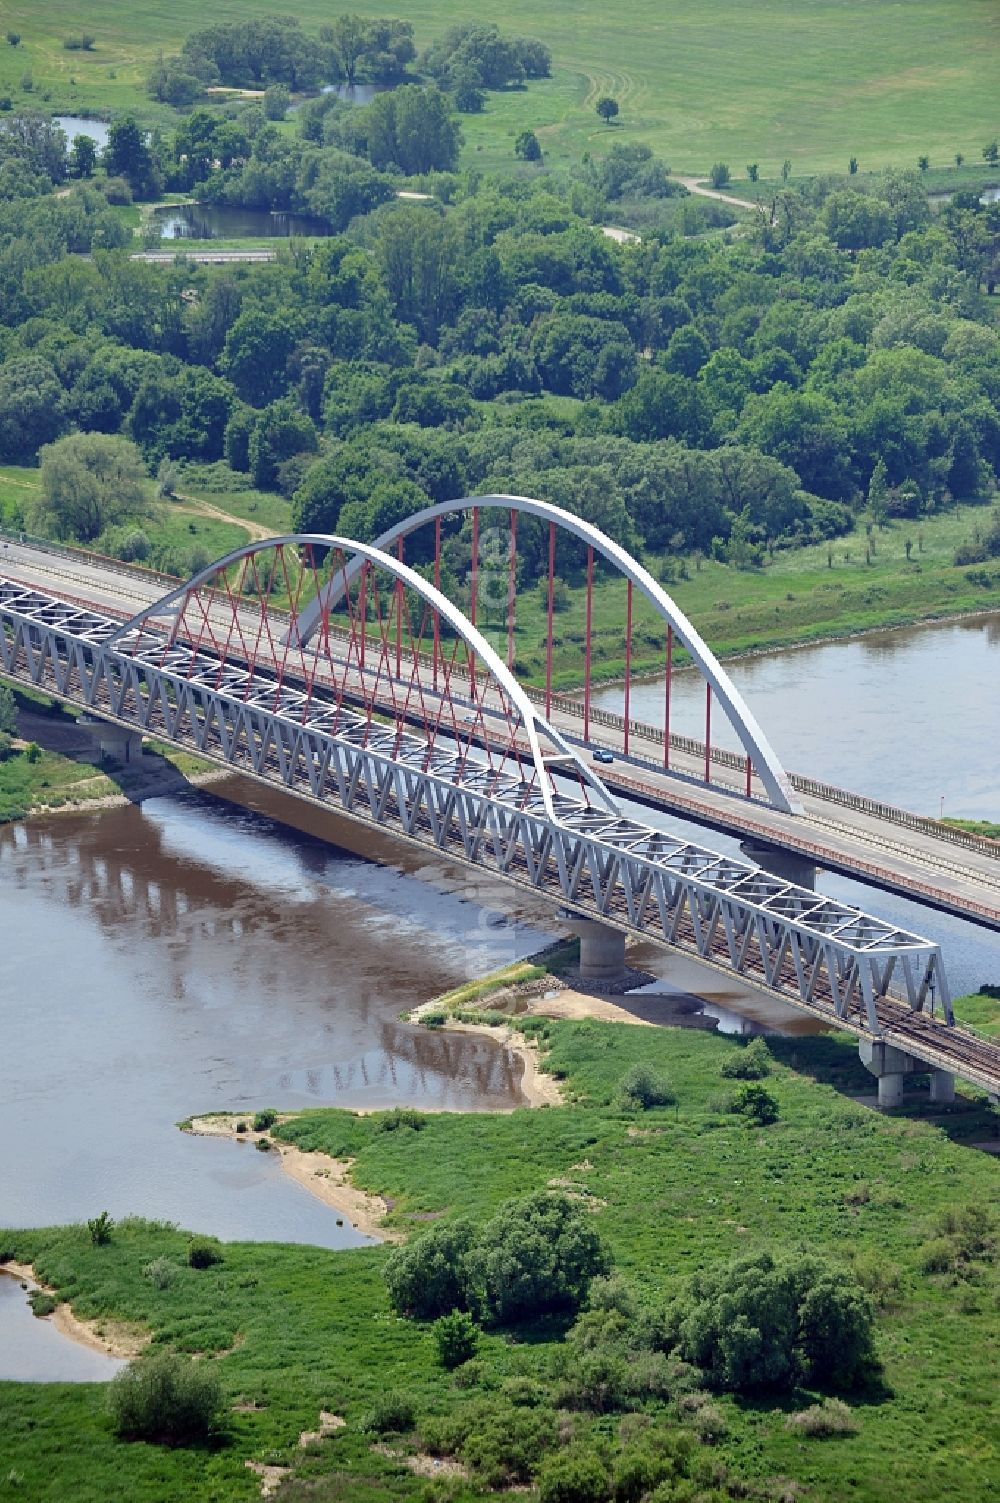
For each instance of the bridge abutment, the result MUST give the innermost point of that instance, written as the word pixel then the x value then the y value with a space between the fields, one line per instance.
pixel 787 865
pixel 602 950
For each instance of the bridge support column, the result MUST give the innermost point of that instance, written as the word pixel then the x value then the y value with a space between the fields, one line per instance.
pixel 602 950
pixel 785 864
pixel 115 742
pixel 942 1087
pixel 891 1067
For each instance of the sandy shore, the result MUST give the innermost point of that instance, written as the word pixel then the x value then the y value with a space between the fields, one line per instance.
pixel 326 1178
pixel 114 1338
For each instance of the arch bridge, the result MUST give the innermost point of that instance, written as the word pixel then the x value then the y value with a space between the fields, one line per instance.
pixel 339 671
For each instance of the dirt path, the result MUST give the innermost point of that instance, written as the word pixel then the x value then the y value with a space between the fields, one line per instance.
pixel 256 531
pixel 695 185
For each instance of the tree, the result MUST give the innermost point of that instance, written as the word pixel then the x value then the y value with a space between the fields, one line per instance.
pixel 719 174
pixel 426 1277
pixel 786 170
pixel 8 712
pixel 959 158
pixel 607 108
pixel 852 166
pixel 90 481
pixel 127 155
pixel 535 1255
pixel 758 1324
pixel 256 354
pixel 527 148
pixel 991 153
pixel 753 171
pixel 276 101
pixel 924 163
pixel 411 129
pixel 31 408
pixel 167 1398
pixel 457 1337
pixel 83 157
pixel 281 432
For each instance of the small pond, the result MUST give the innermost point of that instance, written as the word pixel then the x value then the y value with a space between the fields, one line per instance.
pixel 219 222
pixel 357 93
pixel 938 200
pixel 83 125
pixel 36 1351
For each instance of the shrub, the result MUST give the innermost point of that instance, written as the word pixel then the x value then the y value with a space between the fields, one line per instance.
pixel 597 1380
pixel 535 1255
pixel 756 1104
pixel 265 1120
pixel 642 1087
pixel 203 1252
pixel 751 1063
pixel 719 174
pixel 401 1116
pixel 33 752
pixel 426 1277
pixel 573 1476
pixel 100 1229
pixel 42 1303
pixel 437 1018
pixel 758 1324
pixel 161 1272
pixel 457 1337
pixel 391 1412
pixel 166 1398
pixel 831 1417
pixel 503 1446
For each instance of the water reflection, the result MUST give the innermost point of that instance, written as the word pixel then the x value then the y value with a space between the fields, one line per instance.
pixel 194 955
pixel 221 222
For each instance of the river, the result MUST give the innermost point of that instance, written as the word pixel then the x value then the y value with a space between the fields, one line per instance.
pixel 206 952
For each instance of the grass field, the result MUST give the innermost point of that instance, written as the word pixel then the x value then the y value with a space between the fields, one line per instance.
pixel 298 1328
pixel 701 80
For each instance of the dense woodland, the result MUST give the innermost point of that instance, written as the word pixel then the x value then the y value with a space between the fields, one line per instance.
pixel 715 390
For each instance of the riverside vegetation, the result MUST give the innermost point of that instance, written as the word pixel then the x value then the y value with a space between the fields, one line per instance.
pixel 813 395
pixel 609 1385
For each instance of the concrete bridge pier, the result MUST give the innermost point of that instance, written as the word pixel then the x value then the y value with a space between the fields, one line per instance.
pixel 115 742
pixel 787 865
pixel 602 950
pixel 891 1066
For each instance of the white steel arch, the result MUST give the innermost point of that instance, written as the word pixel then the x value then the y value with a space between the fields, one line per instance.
pixel 169 608
pixel 741 718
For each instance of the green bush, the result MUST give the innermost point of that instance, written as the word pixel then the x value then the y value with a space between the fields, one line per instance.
pixel 203 1252
pixel 265 1120
pixel 457 1337
pixel 392 1412
pixel 535 1255
pixel 596 1380
pixel 503 1446
pixel 426 1277
pixel 166 1398
pixel 42 1303
pixel 100 1229
pixel 161 1273
pixel 756 1104
pixel 752 1063
pixel 641 1088
pixel 401 1116
pixel 575 1475
pixel 758 1324
pixel 831 1417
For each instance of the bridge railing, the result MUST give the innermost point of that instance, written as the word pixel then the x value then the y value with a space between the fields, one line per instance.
pixel 689 745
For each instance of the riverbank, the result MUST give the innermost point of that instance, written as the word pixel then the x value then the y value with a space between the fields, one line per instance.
pixel 114 1338
pixel 54 766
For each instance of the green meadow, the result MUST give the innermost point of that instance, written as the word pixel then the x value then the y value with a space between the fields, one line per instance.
pixel 815 82
pixel 293 1330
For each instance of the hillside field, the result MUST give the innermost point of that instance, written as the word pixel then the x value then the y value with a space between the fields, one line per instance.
pixel 700 80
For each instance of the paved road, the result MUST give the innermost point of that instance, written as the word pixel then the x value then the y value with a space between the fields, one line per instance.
pixel 916 863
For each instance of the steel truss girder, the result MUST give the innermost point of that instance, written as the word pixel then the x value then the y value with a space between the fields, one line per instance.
pixel 830 958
